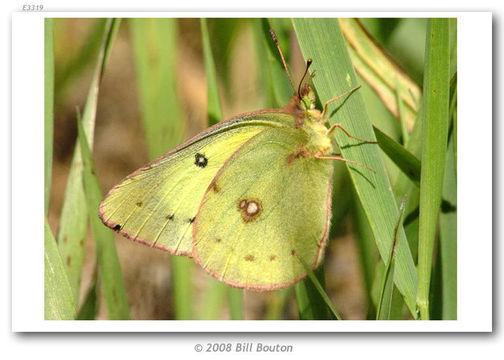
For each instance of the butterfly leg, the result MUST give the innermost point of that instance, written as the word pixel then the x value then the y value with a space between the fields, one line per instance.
pixel 339 97
pixel 320 156
pixel 338 126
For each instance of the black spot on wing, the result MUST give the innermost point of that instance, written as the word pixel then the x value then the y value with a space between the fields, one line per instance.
pixel 200 160
pixel 191 220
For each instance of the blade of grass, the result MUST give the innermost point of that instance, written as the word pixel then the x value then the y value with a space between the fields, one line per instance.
pixel 213 298
pixel 448 238
pixel 320 288
pixel 73 223
pixel 87 53
pixel 341 198
pixel 368 252
pixel 59 301
pixel 109 268
pixel 402 113
pixel 235 299
pixel 224 33
pixel 321 40
pixel 214 109
pixel 155 50
pixel 382 29
pixel 404 185
pixel 453 116
pixel 182 269
pixel 48 108
pixel 385 77
pixel 453 46
pixel 89 308
pixel 435 134
pixel 273 77
pixel 406 161
pixel 277 304
pixel 383 310
pixel 311 304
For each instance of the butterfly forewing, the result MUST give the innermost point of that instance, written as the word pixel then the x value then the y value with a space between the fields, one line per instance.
pixel 157 204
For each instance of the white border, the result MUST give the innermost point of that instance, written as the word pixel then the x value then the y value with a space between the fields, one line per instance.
pixel 474 207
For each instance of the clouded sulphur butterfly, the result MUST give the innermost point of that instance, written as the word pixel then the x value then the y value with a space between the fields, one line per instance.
pixel 249 198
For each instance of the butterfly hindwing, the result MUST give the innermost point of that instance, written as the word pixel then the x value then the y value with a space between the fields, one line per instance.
pixel 157 204
pixel 267 206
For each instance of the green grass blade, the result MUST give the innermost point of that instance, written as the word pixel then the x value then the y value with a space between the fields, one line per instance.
pixel 453 116
pixel 342 199
pixel 368 253
pixel 155 51
pixel 453 46
pixel 213 296
pixel 403 185
pixel 311 300
pixel 448 238
pixel 272 73
pixel 48 108
pixel 75 66
pixel 235 299
pixel 402 113
pixel 182 269
pixel 435 134
pixel 224 35
pixel 277 304
pixel 406 161
pixel 59 301
pixel 73 223
pixel 383 75
pixel 383 310
pixel 384 307
pixel 109 267
pixel 321 39
pixel 214 109
pixel 320 288
pixel 89 308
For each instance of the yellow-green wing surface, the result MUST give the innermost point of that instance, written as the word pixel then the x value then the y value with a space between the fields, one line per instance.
pixel 268 206
pixel 157 204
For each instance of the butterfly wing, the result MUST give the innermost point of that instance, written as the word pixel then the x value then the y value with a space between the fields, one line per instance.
pixel 268 206
pixel 157 204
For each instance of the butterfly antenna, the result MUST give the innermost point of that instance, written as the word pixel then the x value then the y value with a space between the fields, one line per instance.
pixel 275 40
pixel 308 63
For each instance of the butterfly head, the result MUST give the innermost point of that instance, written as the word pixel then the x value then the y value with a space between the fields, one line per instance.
pixel 305 95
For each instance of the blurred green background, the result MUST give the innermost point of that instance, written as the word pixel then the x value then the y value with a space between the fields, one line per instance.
pixel 120 146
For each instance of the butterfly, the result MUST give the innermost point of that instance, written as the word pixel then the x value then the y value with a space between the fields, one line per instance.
pixel 249 198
